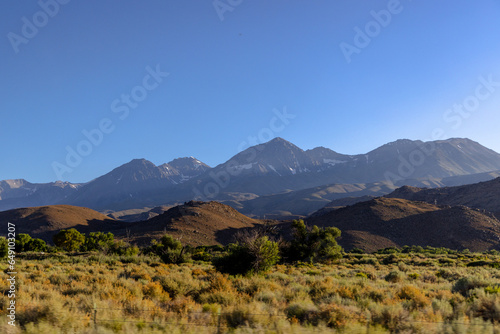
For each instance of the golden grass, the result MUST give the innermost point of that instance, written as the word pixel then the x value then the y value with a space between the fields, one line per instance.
pixel 62 294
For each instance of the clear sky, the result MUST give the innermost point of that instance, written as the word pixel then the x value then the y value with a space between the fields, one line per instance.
pixel 353 74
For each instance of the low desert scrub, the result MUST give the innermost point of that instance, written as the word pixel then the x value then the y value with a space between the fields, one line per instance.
pixel 60 293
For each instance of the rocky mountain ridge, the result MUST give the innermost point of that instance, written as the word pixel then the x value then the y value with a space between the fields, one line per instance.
pixel 272 168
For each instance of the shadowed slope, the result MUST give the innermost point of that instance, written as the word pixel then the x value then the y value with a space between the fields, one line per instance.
pixel 45 221
pixel 194 223
pixel 384 222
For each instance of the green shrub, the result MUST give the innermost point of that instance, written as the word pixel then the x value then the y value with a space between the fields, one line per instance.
pixel 236 261
pixel 255 254
pixel 37 245
pixel 201 255
pixel 480 263
pixel 388 250
pixel 169 250
pixel 494 289
pixel 25 243
pixel 394 276
pixel 362 275
pixel 22 240
pixel 4 247
pixel 314 244
pixel 356 250
pixel 465 284
pixel 367 260
pixel 265 253
pixel 446 261
pixel 414 276
pixel 98 241
pixel 488 308
pixel 303 312
pixel 69 240
pixel 123 249
pixel 447 274
pixel 391 259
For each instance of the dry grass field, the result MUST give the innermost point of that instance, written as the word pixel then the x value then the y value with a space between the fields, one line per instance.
pixel 362 293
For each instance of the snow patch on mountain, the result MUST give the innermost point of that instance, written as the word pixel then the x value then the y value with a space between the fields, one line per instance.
pixel 333 162
pixel 274 169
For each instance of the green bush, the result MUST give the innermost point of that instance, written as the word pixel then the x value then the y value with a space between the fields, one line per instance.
pixel 235 261
pixel 69 240
pixel 480 263
pixel 24 243
pixel 388 250
pixel 465 284
pixel 494 289
pixel 356 250
pixel 200 254
pixel 414 276
pixel 314 244
pixel 36 245
pixel 394 276
pixel 265 253
pixel 169 250
pixel 123 248
pixel 362 275
pixel 303 312
pixel 390 259
pixel 22 239
pixel 98 241
pixel 255 254
pixel 4 247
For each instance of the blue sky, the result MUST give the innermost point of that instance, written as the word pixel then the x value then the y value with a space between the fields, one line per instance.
pixel 231 70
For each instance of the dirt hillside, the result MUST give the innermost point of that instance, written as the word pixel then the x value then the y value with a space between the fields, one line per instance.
pixel 384 222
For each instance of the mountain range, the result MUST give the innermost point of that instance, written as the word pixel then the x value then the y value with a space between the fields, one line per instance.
pixel 269 176
pixel 370 225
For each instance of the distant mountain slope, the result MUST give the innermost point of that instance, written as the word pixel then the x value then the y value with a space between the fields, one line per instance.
pixel 278 166
pixel 43 222
pixel 135 184
pixel 194 223
pixel 275 167
pixel 126 185
pixel 282 158
pixel 384 222
pixel 184 169
pixel 374 191
pixel 482 195
pixel 301 203
pixel 340 203
pixel 406 159
pixel 21 193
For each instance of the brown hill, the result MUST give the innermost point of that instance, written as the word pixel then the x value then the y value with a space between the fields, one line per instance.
pixel 482 195
pixel 45 221
pixel 194 223
pixel 384 222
